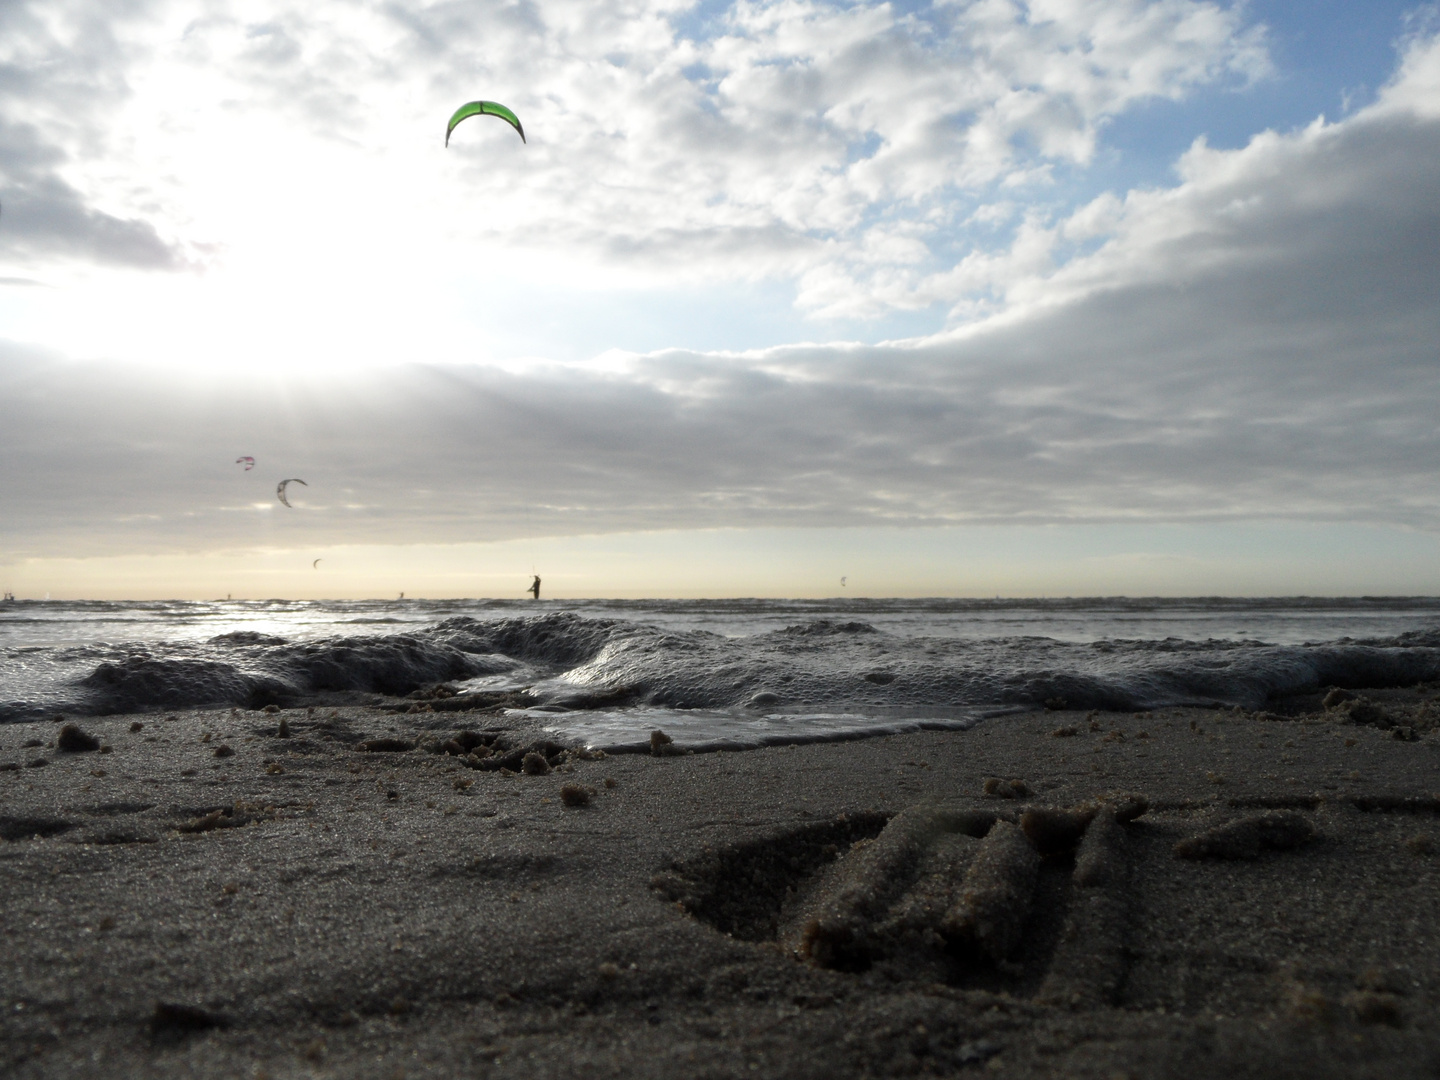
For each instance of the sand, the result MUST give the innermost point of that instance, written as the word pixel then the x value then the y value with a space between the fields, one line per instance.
pixel 207 898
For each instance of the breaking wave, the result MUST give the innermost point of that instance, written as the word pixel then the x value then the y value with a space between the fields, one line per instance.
pixel 568 666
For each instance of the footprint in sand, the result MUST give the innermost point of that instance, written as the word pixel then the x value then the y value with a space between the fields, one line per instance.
pixel 1052 904
pixel 1027 901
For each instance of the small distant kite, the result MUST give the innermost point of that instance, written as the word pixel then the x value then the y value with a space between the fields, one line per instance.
pixel 484 108
pixel 842 582
pixel 247 461
pixel 280 488
pixel 316 564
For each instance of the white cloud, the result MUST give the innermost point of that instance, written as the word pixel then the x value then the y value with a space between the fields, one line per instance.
pixel 799 137
pixel 61 80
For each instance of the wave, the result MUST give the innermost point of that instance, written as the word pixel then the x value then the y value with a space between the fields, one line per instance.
pixel 817 666
pixel 820 664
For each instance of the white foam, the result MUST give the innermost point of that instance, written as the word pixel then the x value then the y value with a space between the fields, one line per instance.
pixel 700 730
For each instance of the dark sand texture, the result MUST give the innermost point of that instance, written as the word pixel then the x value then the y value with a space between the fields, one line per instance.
pixel 301 907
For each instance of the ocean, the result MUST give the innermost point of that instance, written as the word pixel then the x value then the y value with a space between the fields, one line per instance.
pixel 711 673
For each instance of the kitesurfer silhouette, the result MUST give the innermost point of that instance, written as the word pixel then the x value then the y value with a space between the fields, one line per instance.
pixel 534 589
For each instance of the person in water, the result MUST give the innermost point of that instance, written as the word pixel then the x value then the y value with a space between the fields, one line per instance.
pixel 534 589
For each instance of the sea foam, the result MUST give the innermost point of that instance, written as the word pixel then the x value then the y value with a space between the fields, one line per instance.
pixel 607 681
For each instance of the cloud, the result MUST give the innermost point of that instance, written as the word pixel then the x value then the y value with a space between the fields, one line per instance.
pixel 842 145
pixel 61 80
pixel 835 142
pixel 1256 342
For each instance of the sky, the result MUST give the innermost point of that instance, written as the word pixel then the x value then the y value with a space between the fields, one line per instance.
pixel 1066 297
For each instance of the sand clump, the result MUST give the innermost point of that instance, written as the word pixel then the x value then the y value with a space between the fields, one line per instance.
pixel 227 817
pixel 576 795
pixel 662 745
pixel 385 745
pixel 468 743
pixel 1374 1007
pixel 997 787
pixel 1420 844
pixel 1249 836
pixel 174 1021
pixel 72 740
pixel 490 752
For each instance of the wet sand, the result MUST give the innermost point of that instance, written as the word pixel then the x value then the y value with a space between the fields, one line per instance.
pixel 301 907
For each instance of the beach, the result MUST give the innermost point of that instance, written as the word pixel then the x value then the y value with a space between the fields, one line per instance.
pixel 833 540
pixel 1205 892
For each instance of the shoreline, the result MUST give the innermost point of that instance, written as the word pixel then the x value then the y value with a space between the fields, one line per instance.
pixel 298 907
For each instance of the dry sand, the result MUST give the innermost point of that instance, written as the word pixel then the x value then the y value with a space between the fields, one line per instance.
pixel 300 907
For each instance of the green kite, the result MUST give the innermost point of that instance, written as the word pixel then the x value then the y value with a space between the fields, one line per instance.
pixel 484 108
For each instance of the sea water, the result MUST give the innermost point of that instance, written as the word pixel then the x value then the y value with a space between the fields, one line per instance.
pixel 711 673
